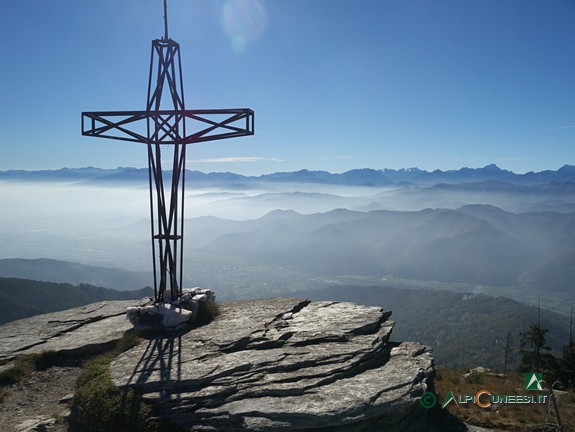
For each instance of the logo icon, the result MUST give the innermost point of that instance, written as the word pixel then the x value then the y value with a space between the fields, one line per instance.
pixel 448 399
pixel 428 400
pixel 533 381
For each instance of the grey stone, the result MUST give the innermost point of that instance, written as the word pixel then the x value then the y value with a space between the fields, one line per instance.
pixel 200 298
pixel 36 424
pixel 68 398
pixel 158 316
pixel 81 329
pixel 330 367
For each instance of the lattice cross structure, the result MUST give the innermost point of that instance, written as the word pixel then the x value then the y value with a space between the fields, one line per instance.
pixel 176 127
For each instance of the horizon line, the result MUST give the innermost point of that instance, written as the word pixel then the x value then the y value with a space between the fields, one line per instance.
pixel 290 172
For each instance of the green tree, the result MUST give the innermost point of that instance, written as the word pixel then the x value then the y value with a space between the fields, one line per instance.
pixel 508 352
pixel 567 363
pixel 567 366
pixel 536 353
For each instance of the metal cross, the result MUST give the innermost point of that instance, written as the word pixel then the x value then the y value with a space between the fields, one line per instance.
pixel 156 126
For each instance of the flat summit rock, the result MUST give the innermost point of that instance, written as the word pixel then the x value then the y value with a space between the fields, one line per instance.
pixel 284 365
pixel 82 329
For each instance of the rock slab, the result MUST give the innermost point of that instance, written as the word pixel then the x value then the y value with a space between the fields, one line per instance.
pixel 284 365
pixel 73 331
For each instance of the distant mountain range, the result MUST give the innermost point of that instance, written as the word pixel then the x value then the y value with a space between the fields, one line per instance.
pixel 508 233
pixel 358 177
pixel 473 244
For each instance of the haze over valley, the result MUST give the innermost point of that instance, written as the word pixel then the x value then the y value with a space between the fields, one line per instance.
pixel 480 232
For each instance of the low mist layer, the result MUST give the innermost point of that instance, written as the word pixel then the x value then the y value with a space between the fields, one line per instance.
pixel 485 230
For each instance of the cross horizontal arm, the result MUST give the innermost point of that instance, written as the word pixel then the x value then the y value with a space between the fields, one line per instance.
pixel 221 124
pixel 227 124
pixel 100 126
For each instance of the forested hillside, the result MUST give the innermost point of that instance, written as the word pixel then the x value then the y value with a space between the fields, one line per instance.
pixel 463 329
pixel 43 269
pixel 21 298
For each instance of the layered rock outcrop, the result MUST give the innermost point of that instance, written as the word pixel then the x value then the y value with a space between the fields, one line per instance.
pixel 261 365
pixel 284 365
pixel 74 331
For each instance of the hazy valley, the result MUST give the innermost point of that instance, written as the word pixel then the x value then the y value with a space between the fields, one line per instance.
pixel 404 235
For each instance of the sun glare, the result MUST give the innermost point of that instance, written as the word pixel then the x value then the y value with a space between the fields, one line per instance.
pixel 243 21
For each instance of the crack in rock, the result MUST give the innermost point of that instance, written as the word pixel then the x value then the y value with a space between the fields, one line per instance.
pixel 283 364
pixel 82 329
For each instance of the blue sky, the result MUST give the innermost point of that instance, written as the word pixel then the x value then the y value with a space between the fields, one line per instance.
pixel 335 84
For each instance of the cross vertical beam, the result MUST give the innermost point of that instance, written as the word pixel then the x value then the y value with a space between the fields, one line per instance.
pixel 167 204
pixel 167 123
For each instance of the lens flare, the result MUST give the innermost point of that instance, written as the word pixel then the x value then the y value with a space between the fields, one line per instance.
pixel 243 21
pixel 238 44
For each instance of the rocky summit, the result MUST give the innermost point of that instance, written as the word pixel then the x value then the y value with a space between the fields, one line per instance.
pixel 284 365
pixel 260 365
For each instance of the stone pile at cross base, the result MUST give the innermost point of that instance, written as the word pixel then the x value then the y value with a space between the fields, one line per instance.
pixel 261 365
